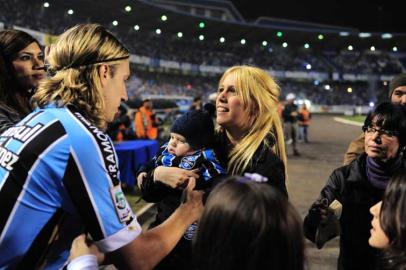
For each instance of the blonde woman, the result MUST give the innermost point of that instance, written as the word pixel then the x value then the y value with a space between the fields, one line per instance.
pixel 250 130
pixel 59 173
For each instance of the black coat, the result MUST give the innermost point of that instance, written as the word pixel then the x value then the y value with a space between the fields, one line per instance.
pixel 350 186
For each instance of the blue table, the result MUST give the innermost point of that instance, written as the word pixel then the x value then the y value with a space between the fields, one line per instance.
pixel 132 155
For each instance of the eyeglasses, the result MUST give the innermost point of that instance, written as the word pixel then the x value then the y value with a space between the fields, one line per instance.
pixel 381 132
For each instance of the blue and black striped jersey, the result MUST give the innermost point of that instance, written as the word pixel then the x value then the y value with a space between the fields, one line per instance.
pixel 59 177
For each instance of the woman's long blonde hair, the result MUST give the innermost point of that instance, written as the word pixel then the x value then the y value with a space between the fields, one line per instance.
pixel 260 97
pixel 75 59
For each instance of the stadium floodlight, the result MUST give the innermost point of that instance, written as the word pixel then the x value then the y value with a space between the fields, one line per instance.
pixel 386 36
pixel 202 25
pixel 46 4
pixel 308 67
pixel 201 37
pixel 158 31
pixel 164 18
pixel 395 49
pixel 279 34
pixel 115 23
pixel 327 87
pixel 264 43
pixel 364 35
pixel 243 41
pixel 222 39
pixel 127 8
pixel 320 37
pixel 344 34
pixel 371 104
pixel 306 46
pixel 349 90
pixel 372 48
pixel 180 34
pixel 70 12
pixel 350 47
pixel 136 27
pixel 284 44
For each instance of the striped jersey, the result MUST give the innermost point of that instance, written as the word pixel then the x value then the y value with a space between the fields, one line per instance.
pixel 59 177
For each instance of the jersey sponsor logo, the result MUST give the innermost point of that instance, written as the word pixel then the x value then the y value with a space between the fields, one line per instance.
pixel 7 158
pixel 121 205
pixel 188 162
pixel 22 133
pixel 105 145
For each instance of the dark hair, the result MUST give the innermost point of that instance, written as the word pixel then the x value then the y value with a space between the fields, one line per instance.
pixel 389 116
pixel 248 225
pixel 392 219
pixel 12 42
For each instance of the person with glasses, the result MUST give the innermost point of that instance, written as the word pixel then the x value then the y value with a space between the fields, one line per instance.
pixel 21 70
pixel 397 95
pixel 356 187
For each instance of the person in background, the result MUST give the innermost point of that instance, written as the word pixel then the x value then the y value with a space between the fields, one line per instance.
pixel 304 122
pixel 60 178
pixel 397 95
pixel 388 230
pixel 22 68
pixel 197 104
pixel 358 186
pixel 290 116
pixel 189 148
pixel 146 126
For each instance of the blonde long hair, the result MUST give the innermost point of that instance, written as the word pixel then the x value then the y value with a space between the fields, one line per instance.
pixel 259 94
pixel 75 59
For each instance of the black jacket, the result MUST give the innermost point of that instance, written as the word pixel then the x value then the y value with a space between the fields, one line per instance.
pixel 349 185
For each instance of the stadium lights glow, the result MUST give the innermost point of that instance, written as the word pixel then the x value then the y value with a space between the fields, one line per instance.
pixel 350 48
pixel 372 48
pixel 371 104
pixel 395 49
pixel 115 23
pixel 327 87
pixel 364 35
pixel 46 4
pixel 320 37
pixel 127 8
pixel 201 37
pixel 243 41
pixel 264 43
pixel 284 44
pixel 202 25
pixel 164 18
pixel 180 34
pixel 158 31
pixel 385 83
pixel 136 27
pixel 222 39
pixel 349 90
pixel 386 36
pixel 344 34
pixel 308 67
pixel 306 46
pixel 316 82
pixel 70 12
pixel 279 34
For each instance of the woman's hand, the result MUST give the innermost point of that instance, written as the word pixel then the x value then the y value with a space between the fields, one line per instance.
pixel 173 176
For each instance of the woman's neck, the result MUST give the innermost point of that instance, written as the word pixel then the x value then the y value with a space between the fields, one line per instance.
pixel 235 136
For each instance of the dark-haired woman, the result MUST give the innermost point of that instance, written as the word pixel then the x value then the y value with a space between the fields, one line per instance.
pixel 388 230
pixel 360 185
pixel 22 68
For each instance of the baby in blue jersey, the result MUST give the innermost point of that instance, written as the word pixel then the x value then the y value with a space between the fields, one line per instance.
pixel 192 136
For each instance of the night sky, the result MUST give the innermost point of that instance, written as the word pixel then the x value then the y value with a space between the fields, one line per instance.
pixel 367 16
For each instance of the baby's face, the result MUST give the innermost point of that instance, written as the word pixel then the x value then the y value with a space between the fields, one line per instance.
pixel 178 145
